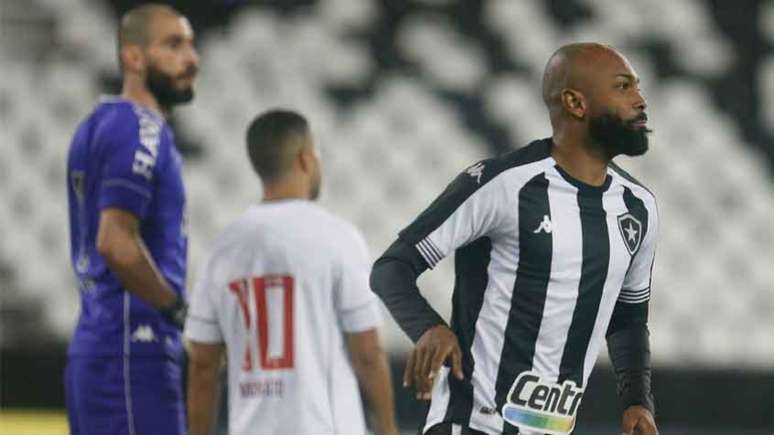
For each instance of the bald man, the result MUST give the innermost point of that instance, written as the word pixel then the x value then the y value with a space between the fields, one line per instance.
pixel 128 241
pixel 553 248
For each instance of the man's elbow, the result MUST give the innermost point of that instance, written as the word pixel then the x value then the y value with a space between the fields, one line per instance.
pixel 367 362
pixel 105 248
pixel 118 250
pixel 203 366
pixel 377 277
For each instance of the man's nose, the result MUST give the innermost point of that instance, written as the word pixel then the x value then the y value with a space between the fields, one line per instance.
pixel 641 103
pixel 192 57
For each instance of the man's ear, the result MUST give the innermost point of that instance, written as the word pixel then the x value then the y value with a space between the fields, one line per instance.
pixel 574 103
pixel 133 58
pixel 306 158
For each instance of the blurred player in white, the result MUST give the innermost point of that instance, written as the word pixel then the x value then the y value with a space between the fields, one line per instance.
pixel 285 291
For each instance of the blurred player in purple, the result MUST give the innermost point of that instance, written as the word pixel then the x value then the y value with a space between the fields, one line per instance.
pixel 128 241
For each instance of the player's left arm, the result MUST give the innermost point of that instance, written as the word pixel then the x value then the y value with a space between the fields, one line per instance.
pixel 358 315
pixel 204 362
pixel 369 362
pixel 628 339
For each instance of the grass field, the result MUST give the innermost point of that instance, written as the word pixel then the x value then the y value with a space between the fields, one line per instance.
pixel 32 422
pixel 36 422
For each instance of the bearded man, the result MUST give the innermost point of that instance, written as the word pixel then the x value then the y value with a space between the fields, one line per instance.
pixel 128 241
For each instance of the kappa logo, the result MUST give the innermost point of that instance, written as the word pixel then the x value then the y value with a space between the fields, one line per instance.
pixel 144 334
pixel 543 406
pixel 631 231
pixel 476 171
pixel 546 225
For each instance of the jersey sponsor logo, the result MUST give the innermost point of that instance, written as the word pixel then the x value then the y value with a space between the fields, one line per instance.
pixel 547 407
pixel 476 171
pixel 144 334
pixel 545 225
pixel 631 231
pixel 150 131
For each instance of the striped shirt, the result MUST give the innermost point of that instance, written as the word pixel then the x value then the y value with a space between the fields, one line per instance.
pixel 541 261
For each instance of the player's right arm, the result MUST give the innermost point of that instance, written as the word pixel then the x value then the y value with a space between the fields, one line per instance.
pixel 357 311
pixel 464 212
pixel 128 173
pixel 369 362
pixel 119 242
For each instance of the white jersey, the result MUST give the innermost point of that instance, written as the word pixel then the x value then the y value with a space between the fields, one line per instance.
pixel 279 287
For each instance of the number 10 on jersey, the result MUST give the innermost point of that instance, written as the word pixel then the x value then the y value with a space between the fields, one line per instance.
pixel 272 297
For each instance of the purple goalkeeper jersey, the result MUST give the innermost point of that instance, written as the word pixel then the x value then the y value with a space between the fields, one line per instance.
pixel 124 156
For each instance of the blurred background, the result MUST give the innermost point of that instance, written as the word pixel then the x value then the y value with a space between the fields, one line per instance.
pixel 402 95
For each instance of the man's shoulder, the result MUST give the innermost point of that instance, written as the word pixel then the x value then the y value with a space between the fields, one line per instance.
pixel 119 116
pixel 630 181
pixel 335 227
pixel 516 161
pixel 291 228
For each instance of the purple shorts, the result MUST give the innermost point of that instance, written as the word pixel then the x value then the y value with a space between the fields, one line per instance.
pixel 124 396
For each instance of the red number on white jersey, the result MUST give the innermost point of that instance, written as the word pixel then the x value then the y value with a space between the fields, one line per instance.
pixel 273 299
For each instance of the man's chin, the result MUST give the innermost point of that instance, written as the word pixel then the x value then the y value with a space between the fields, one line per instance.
pixel 637 147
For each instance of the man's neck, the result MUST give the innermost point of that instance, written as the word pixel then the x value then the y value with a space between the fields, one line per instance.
pixel 284 191
pixel 577 159
pixel 138 93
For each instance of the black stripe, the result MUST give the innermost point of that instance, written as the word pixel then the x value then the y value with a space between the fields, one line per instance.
pixel 596 259
pixel 471 264
pixel 465 185
pixel 529 292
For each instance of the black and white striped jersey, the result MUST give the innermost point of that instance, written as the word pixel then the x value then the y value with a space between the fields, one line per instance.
pixel 541 260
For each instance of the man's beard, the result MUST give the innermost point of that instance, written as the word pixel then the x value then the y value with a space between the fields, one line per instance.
pixel 162 86
pixel 616 136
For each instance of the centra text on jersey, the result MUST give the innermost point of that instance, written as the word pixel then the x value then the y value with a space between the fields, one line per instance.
pixel 542 405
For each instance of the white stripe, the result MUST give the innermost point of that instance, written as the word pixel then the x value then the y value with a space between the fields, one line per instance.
pixel 635 292
pixel 425 255
pixel 430 251
pixel 490 335
pixel 614 205
pixel 489 338
pixel 434 249
pixel 562 291
pixel 630 296
pixel 635 300
pixel 440 400
pixel 456 429
pixel 127 380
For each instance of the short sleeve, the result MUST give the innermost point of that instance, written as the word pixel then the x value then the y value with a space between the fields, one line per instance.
pixel 202 322
pixel 467 210
pixel 356 305
pixel 636 286
pixel 131 145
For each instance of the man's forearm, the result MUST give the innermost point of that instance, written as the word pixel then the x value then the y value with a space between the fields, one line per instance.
pixel 131 262
pixel 394 280
pixel 202 399
pixel 628 343
pixel 375 380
